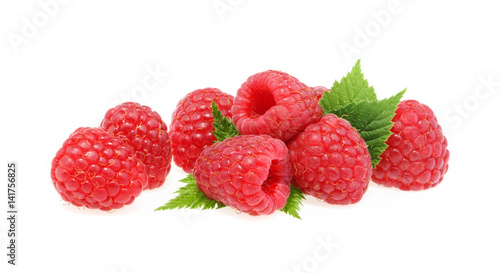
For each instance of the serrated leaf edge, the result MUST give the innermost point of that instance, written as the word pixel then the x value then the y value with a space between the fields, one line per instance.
pixel 294 202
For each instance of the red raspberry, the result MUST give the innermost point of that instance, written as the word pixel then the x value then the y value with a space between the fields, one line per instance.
pixel 417 156
pixel 97 170
pixel 146 132
pixel 330 161
pixel 249 173
pixel 319 90
pixel 276 104
pixel 191 129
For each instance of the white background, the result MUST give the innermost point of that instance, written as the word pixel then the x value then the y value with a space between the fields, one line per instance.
pixel 86 56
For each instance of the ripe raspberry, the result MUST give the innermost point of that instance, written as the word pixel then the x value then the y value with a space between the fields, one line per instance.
pixel 417 156
pixel 97 170
pixel 330 161
pixel 276 104
pixel 319 90
pixel 249 173
pixel 191 129
pixel 146 132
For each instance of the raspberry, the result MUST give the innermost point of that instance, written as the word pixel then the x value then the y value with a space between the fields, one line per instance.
pixel 417 156
pixel 330 161
pixel 276 104
pixel 146 132
pixel 191 129
pixel 97 170
pixel 250 173
pixel 319 90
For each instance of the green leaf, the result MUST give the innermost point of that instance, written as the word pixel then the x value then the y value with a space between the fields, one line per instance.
pixel 294 202
pixel 223 127
pixel 355 100
pixel 373 120
pixel 351 89
pixel 190 197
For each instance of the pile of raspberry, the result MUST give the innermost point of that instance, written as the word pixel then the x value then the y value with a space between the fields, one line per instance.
pixel 285 139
